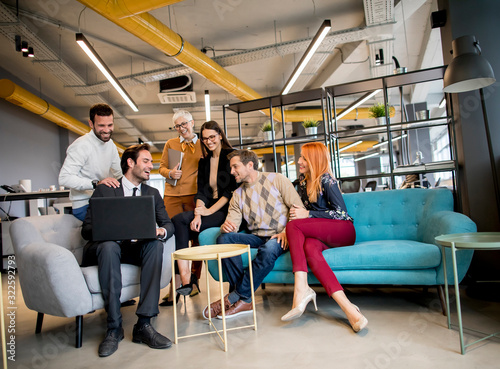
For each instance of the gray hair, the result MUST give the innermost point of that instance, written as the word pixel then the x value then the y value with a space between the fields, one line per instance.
pixel 182 113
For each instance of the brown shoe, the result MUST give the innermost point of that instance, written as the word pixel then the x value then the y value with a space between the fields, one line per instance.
pixel 239 308
pixel 216 307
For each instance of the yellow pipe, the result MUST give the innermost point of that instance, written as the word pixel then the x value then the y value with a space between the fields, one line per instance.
pixel 152 31
pixel 156 156
pixel 134 7
pixel 25 99
pixel 301 114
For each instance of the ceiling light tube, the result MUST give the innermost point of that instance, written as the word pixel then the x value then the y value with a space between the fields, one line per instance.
pixel 386 142
pixel 399 137
pixel 313 46
pixel 207 105
pixel 350 145
pixel 357 103
pixel 366 156
pixel 380 144
pixel 92 54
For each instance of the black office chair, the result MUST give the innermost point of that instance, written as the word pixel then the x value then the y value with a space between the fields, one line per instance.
pixel 372 185
pixel 350 186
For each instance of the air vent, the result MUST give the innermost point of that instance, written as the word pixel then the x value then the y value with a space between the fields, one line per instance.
pixel 184 97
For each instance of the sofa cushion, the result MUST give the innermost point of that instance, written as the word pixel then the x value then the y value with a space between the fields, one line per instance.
pixel 370 255
pixel 387 254
pixel 398 214
pixel 130 276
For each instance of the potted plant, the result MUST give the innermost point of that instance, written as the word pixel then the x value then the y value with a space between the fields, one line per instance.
pixel 378 111
pixel 311 126
pixel 267 129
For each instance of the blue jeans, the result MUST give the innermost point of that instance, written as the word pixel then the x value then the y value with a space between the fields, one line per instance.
pixel 80 213
pixel 269 251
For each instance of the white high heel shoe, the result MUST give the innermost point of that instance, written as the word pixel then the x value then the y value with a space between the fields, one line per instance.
pixel 361 323
pixel 299 310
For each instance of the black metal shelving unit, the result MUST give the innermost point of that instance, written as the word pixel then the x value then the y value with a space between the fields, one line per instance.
pixel 274 107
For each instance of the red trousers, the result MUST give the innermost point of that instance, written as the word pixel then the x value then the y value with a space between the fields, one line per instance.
pixel 309 237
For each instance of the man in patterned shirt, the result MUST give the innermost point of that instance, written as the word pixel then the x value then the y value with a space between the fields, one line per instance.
pixel 263 200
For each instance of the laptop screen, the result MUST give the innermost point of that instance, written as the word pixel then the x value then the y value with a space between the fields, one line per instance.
pixel 123 218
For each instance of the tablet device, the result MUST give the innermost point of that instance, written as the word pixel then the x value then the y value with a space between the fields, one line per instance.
pixel 123 218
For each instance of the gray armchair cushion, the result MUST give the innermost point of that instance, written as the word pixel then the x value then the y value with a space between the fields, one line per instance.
pixel 48 254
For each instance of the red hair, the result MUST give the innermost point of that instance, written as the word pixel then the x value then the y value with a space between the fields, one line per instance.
pixel 317 157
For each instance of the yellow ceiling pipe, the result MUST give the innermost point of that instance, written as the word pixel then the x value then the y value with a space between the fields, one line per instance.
pixel 25 99
pixel 124 13
pixel 151 30
pixel 279 150
pixel 134 7
pixel 156 157
pixel 302 114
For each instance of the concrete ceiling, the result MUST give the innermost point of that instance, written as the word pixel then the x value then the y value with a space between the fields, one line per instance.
pixel 258 41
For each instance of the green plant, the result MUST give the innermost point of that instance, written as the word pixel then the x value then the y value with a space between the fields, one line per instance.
pixel 308 123
pixel 266 126
pixel 378 110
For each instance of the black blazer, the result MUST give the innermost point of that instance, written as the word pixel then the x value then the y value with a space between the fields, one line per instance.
pixel 162 218
pixel 226 183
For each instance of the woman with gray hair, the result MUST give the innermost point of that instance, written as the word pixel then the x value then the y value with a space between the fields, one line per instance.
pixel 179 198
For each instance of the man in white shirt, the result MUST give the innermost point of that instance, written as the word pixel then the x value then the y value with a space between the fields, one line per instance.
pixel 91 159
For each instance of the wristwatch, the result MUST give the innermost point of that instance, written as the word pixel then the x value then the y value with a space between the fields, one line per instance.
pixel 94 183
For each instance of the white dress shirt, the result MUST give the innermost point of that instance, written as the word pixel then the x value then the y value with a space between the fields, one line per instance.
pixel 128 190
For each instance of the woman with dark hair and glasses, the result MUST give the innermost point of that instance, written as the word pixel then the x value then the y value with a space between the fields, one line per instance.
pixel 215 188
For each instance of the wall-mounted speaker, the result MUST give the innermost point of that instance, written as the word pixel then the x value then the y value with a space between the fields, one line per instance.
pixel 438 19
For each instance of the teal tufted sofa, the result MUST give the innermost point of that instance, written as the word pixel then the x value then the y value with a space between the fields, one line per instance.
pixel 395 245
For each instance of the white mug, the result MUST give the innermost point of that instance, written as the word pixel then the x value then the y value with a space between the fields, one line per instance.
pixel 26 183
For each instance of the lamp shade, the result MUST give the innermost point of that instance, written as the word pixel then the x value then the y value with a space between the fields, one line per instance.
pixel 469 70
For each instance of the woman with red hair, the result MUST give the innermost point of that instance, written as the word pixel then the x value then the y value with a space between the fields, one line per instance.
pixel 323 224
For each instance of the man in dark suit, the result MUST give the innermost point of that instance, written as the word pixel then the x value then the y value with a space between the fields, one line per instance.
pixel 136 164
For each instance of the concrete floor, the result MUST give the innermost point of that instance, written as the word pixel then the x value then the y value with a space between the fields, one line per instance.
pixel 406 330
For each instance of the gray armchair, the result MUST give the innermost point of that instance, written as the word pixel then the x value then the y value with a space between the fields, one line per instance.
pixel 48 253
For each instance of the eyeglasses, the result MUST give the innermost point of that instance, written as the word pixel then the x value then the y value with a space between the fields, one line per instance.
pixel 211 138
pixel 182 125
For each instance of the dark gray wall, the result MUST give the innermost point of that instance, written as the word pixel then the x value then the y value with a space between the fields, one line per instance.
pixel 29 149
pixel 478 18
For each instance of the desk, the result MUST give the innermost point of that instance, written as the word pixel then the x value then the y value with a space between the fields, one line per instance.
pixel 465 241
pixel 33 195
pixel 6 197
pixel 45 195
pixel 214 252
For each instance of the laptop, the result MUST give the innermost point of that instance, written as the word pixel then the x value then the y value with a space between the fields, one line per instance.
pixel 123 218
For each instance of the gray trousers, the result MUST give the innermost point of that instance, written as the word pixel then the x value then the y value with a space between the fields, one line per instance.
pixel 108 256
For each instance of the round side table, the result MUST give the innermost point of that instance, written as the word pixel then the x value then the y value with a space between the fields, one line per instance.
pixel 214 252
pixel 465 241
